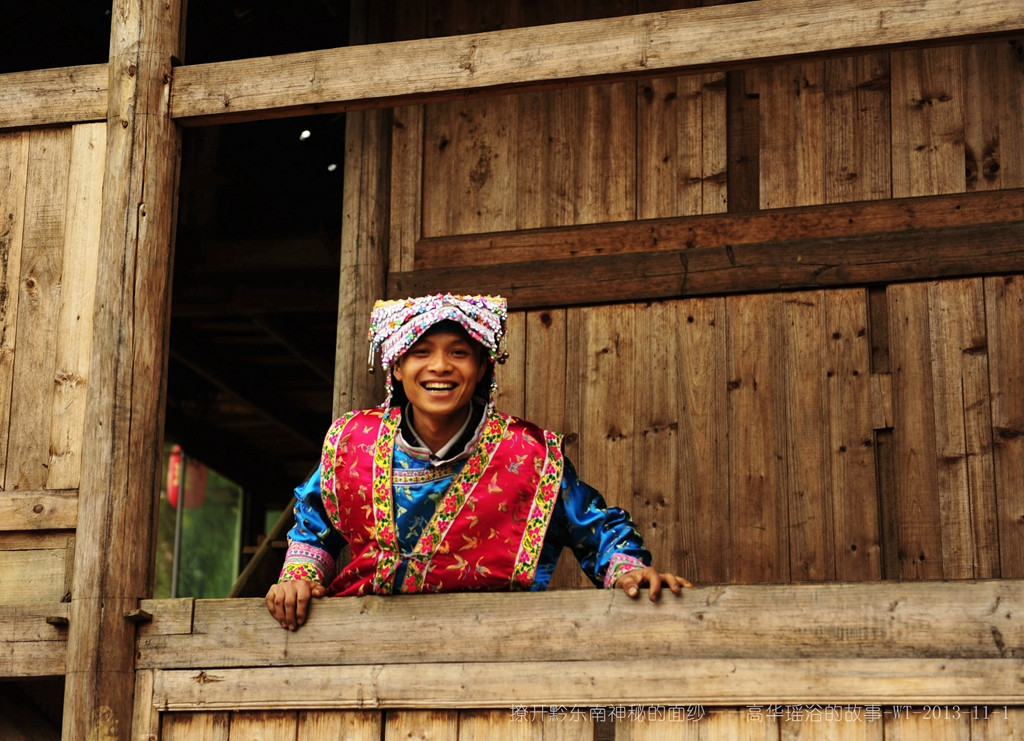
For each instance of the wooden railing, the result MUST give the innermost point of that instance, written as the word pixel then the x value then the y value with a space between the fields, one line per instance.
pixel 919 643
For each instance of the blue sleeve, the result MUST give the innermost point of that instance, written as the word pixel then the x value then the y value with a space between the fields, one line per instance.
pixel 313 543
pixel 603 539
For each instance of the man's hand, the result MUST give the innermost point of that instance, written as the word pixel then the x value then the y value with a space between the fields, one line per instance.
pixel 631 581
pixel 288 601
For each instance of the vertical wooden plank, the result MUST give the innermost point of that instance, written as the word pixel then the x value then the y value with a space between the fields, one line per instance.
pixel 607 142
pixel 857 129
pixel 483 725
pixel 681 146
pixel 704 471
pixel 963 430
pixel 1004 315
pixel 852 484
pixel 74 329
pixel 469 159
pixel 340 725
pixel 545 368
pixel 195 727
pixel 659 506
pixel 994 115
pixel 792 139
pixel 743 177
pixel 406 185
pixel 546 164
pixel 546 404
pixel 810 724
pixel 406 181
pixel 919 525
pixel 364 257
pixel 263 725
pixel 606 348
pixel 928 724
pixel 997 723
pixel 741 724
pixel 428 725
pixel 928 122
pixel 14 153
pixel 757 485
pixel 38 308
pixel 511 396
pixel 804 435
pixel 927 159
pixel 145 716
pixel 124 405
pixel 599 398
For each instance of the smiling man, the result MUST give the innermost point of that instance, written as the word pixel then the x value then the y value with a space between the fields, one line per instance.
pixel 435 490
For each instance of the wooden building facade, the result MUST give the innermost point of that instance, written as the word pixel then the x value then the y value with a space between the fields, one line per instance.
pixel 765 267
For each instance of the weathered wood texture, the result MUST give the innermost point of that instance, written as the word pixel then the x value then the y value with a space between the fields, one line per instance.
pixel 623 722
pixel 50 181
pixel 50 97
pixel 124 405
pixel 834 645
pixel 554 55
pixel 733 422
pixel 34 639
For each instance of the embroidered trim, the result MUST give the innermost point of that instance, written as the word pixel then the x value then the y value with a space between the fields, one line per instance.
pixel 385 532
pixel 304 561
pixel 451 504
pixel 621 563
pixel 528 558
pixel 403 476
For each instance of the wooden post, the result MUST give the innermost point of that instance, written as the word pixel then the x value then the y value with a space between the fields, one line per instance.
pixel 364 237
pixel 126 384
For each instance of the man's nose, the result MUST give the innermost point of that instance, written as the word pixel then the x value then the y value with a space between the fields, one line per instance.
pixel 439 362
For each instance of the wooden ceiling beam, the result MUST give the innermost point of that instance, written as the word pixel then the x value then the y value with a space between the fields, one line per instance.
pixel 535 57
pixel 376 75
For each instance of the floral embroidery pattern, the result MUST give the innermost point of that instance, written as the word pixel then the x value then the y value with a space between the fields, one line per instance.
pixel 303 561
pixel 454 500
pixel 620 564
pixel 385 532
pixel 540 513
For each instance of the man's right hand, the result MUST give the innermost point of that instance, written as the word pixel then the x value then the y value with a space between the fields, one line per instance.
pixel 288 601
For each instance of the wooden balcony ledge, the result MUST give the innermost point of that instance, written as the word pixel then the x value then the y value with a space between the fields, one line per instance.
pixel 912 643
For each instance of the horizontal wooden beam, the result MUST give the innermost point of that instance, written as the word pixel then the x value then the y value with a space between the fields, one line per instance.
pixel 968 619
pixel 915 643
pixel 857 219
pixel 49 509
pixel 376 75
pixel 853 244
pixel 631 682
pixel 53 96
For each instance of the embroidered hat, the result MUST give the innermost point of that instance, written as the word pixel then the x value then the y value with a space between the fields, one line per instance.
pixel 396 325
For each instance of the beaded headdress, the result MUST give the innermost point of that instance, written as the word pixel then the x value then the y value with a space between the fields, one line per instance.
pixel 395 326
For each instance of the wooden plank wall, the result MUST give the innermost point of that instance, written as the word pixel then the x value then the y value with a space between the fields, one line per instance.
pixel 50 184
pixel 847 433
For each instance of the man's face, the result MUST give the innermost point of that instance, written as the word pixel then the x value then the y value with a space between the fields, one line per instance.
pixel 439 375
